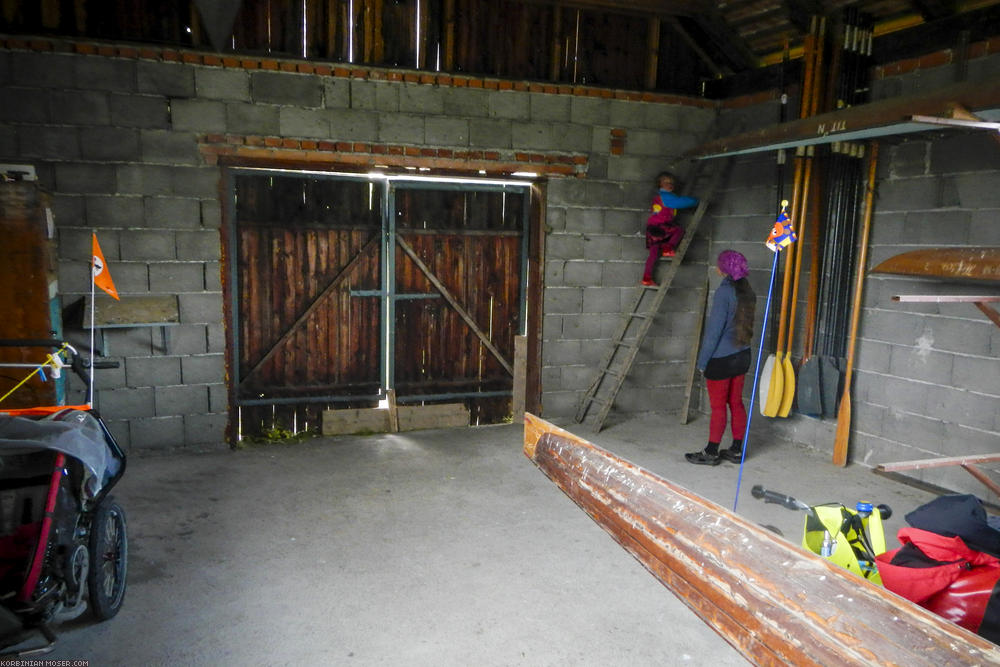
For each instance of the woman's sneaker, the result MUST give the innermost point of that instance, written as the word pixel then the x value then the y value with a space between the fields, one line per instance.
pixel 732 455
pixel 703 458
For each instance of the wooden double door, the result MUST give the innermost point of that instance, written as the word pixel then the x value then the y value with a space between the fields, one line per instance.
pixel 341 287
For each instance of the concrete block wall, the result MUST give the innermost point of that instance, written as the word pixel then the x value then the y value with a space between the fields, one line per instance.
pixel 927 376
pixel 594 256
pixel 99 133
pixel 117 135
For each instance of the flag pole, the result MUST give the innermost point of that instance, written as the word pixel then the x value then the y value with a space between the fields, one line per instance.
pixel 93 307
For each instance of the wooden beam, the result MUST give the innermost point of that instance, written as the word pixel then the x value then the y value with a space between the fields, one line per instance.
pixel 448 57
pixel 555 66
pixel 977 300
pixel 989 312
pixel 390 397
pixel 520 377
pixel 957 122
pixel 961 113
pixel 423 20
pixel 945 298
pixel 881 118
pixel 699 51
pixel 969 463
pixel 331 32
pixel 80 15
pixel 921 464
pixel 652 51
pixel 774 602
pixel 633 7
pixel 377 37
pixel 982 477
pixel 368 31
pixel 50 14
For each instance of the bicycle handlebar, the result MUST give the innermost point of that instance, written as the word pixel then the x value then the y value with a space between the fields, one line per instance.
pixel 78 363
pixel 768 496
pixel 791 503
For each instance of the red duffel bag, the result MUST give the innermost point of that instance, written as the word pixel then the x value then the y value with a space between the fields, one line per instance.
pixel 945 576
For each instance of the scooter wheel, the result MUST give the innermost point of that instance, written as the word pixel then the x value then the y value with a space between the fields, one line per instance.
pixel 106 580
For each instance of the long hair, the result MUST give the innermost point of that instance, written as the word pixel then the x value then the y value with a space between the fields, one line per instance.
pixel 746 302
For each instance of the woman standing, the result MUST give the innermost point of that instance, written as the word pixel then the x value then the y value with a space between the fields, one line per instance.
pixel 725 358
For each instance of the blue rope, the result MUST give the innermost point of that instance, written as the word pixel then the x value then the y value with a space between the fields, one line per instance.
pixel 756 379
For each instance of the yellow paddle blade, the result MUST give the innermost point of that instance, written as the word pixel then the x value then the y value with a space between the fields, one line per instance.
pixel 788 390
pixel 775 391
pixel 764 389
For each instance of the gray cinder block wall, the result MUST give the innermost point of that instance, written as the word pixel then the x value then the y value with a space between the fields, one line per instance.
pixel 595 250
pixel 115 139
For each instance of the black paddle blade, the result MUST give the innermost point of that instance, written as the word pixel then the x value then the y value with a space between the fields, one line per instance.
pixel 808 394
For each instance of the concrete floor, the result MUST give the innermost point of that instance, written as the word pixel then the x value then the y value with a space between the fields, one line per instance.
pixel 442 547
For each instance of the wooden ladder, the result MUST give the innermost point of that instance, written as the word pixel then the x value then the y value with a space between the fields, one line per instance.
pixel 704 182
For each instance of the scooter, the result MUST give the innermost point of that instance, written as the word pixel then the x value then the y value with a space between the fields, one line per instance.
pixel 850 538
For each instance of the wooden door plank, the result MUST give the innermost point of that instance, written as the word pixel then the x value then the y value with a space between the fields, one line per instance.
pixel 454 304
pixel 332 285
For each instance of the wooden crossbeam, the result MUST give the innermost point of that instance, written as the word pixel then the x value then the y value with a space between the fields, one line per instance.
pixel 774 602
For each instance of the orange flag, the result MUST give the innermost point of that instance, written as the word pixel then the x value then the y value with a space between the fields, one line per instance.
pixel 102 277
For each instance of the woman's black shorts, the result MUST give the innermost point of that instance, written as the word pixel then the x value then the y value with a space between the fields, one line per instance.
pixel 720 368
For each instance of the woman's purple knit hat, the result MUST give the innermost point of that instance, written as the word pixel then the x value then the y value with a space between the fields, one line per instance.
pixel 733 264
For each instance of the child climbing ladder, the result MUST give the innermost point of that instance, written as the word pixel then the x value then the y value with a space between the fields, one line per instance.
pixel 662 235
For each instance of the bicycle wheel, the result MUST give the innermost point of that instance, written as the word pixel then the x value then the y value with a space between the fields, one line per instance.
pixel 106 580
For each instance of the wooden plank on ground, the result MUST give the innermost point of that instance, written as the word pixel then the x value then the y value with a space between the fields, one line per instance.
pixel 360 421
pixel 444 415
pixel 775 602
pixel 354 421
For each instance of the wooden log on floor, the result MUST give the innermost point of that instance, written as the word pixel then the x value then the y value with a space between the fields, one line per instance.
pixel 773 601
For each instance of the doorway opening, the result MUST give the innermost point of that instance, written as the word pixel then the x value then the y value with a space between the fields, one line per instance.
pixel 341 287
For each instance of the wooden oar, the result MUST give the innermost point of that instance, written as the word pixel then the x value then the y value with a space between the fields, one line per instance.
pixel 788 385
pixel 771 403
pixel 693 360
pixel 783 373
pixel 808 390
pixel 811 209
pixel 844 413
